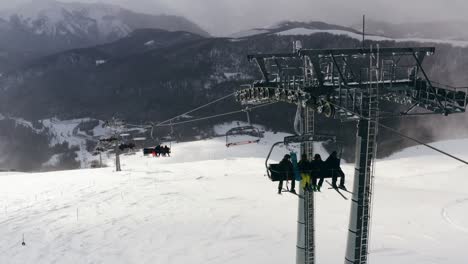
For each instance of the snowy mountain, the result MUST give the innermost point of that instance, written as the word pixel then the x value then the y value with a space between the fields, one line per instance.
pixel 52 18
pixel 101 22
pixel 153 74
pixel 44 27
pixel 314 28
pixel 209 204
pixel 286 26
pixel 441 30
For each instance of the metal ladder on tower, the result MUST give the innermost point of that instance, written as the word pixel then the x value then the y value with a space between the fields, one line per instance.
pixel 373 117
pixel 309 201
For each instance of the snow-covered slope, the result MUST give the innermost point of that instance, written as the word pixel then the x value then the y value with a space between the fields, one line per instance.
pixel 209 204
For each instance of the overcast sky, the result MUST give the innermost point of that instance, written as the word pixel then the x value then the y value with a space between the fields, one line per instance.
pixel 222 17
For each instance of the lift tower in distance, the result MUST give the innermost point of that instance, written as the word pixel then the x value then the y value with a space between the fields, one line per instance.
pixel 349 84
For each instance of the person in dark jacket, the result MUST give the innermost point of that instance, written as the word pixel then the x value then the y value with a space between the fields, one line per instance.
pixel 287 168
pixel 317 172
pixel 333 166
pixel 158 150
pixel 304 170
pixel 167 151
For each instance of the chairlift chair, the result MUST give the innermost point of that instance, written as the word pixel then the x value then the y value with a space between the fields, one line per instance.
pixel 108 139
pixel 167 140
pixel 247 130
pixel 98 150
pixel 274 171
pixel 243 131
pixel 148 151
pixel 154 149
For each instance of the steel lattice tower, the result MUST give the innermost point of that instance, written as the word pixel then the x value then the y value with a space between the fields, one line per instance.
pixel 348 84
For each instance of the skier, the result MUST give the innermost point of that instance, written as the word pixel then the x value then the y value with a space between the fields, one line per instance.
pixel 287 168
pixel 157 150
pixel 305 170
pixel 333 165
pixel 167 151
pixel 318 171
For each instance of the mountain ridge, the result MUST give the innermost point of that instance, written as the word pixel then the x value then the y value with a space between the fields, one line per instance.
pixel 444 30
pixel 288 25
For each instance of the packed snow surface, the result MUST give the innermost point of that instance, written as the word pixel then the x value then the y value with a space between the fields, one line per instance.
pixel 211 204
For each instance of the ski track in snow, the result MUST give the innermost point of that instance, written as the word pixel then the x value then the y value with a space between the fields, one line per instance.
pixel 450 220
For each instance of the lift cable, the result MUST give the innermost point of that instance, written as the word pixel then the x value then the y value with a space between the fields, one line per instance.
pixel 422 143
pixel 195 109
pixel 139 126
pixel 200 119
pixel 405 136
pixel 406 115
pixel 214 116
pixel 181 115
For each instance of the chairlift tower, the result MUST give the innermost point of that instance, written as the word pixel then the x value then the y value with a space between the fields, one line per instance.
pixel 348 84
pixel 116 126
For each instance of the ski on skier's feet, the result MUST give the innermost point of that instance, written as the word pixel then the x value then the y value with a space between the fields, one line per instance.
pixel 344 189
pixel 337 190
pixel 341 187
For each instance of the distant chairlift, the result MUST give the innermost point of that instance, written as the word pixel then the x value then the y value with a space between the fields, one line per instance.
pixel 127 145
pixel 243 135
pixel 160 143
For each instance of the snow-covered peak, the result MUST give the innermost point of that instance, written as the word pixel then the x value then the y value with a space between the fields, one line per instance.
pixel 51 17
pixel 55 9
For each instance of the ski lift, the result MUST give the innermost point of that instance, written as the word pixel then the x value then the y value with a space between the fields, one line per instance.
pixel 148 151
pixel 238 135
pixel 164 140
pixel 127 146
pixel 108 139
pixel 160 148
pixel 158 151
pixel 98 150
pixel 274 170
